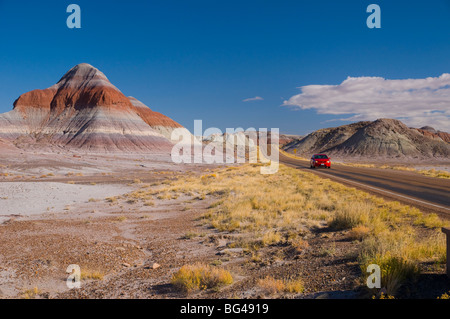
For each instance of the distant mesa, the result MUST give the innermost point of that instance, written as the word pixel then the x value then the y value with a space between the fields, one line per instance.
pixel 84 110
pixel 382 138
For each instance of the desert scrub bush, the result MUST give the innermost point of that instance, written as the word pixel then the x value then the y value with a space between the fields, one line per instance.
pixel 271 285
pixel 351 215
pixel 200 277
pixel 395 271
pixel 359 232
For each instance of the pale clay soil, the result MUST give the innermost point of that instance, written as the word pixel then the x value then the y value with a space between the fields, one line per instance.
pixel 48 223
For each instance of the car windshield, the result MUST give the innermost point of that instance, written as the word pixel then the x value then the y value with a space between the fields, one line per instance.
pixel 320 156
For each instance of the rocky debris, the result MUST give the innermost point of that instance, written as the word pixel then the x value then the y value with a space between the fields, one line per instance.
pixel 156 266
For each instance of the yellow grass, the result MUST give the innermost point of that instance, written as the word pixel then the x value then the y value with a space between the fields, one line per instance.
pixel 271 285
pixel 91 275
pixel 200 277
pixel 279 208
pixel 359 232
pixel 31 293
pixel 121 218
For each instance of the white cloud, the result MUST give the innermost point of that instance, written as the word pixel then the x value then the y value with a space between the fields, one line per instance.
pixel 256 98
pixel 416 102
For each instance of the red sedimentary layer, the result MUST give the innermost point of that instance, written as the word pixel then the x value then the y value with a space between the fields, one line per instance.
pixel 85 110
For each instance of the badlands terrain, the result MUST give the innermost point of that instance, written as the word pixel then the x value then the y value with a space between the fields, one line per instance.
pixel 142 227
pixel 86 179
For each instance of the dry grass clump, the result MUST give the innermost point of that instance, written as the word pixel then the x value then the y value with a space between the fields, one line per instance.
pixel 395 271
pixel 271 285
pixel 149 203
pixel 359 232
pixel 351 215
pixel 91 275
pixel 444 296
pixel 31 293
pixel 200 277
pixel 399 253
pixel 271 238
pixel 300 244
pixel 111 199
pixel 190 235
pixel 430 221
pixel 121 219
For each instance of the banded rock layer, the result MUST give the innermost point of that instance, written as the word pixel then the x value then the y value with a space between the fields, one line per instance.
pixel 84 110
pixel 382 138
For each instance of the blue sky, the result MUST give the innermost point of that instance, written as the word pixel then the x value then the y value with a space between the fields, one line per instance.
pixel 201 59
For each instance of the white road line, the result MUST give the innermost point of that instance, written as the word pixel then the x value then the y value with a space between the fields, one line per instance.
pixel 388 192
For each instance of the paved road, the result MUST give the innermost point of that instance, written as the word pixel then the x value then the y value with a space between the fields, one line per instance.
pixel 427 193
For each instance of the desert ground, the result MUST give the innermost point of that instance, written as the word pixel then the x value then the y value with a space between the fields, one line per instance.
pixel 143 227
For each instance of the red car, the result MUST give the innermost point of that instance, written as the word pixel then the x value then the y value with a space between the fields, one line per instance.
pixel 320 160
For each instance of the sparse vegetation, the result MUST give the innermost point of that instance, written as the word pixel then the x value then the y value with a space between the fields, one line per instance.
pixel 274 209
pixel 359 232
pixel 445 296
pixel 271 285
pixel 91 275
pixel 31 293
pixel 200 277
pixel 190 235
pixel 111 199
